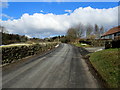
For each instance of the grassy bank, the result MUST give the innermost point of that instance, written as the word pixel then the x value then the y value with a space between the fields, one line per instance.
pixel 107 64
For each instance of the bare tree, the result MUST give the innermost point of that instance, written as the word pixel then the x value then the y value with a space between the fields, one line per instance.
pixel 79 30
pixel 97 31
pixel 72 33
pixel 89 30
pixel 3 29
pixel 75 32
pixel 101 30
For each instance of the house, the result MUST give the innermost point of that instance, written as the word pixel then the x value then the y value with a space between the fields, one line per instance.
pixel 113 33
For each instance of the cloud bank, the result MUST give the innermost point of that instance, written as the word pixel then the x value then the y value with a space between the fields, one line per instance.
pixel 45 25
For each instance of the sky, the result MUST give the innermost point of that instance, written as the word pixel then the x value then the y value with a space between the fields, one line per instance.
pixel 46 19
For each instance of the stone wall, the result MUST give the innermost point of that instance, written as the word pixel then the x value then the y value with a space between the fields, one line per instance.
pixel 13 53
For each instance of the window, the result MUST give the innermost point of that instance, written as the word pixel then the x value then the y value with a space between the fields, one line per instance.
pixel 118 34
pixel 110 36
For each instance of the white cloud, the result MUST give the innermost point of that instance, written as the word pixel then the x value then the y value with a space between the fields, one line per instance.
pixel 41 11
pixel 69 11
pixel 28 36
pixel 39 24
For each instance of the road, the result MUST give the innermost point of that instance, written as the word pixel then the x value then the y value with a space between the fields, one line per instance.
pixel 62 68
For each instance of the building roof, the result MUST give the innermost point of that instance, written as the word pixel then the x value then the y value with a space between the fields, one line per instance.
pixel 112 31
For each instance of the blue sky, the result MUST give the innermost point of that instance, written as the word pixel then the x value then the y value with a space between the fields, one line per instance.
pixel 16 9
pixel 46 19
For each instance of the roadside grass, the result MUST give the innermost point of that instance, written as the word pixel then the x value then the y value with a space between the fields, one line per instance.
pixel 107 62
pixel 26 44
pixel 82 45
pixel 17 44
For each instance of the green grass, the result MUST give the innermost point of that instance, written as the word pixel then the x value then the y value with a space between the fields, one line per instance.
pixel 80 45
pixel 106 63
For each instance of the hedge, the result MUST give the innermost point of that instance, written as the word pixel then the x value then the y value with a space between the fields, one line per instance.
pixel 112 44
pixel 95 42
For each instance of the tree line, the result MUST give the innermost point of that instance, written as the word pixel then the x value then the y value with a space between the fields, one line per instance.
pixel 84 31
pixel 75 32
pixel 7 38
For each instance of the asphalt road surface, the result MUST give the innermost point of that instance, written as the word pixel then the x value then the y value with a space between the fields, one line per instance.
pixel 62 68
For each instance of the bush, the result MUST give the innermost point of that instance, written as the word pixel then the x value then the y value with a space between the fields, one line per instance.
pixel 112 44
pixel 86 42
pixel 65 40
pixel 115 44
pixel 108 45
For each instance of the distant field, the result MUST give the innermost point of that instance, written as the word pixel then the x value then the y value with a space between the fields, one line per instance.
pixel 106 63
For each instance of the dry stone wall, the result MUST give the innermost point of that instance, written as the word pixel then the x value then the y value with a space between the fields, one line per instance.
pixel 13 53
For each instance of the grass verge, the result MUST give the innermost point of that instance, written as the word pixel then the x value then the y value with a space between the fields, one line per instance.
pixel 107 63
